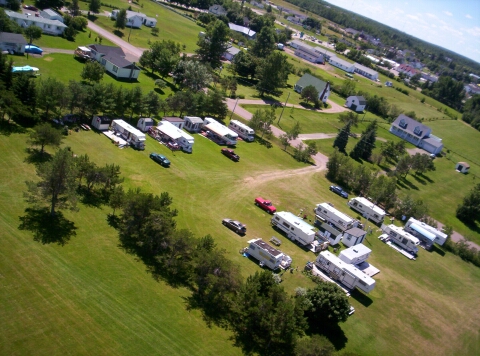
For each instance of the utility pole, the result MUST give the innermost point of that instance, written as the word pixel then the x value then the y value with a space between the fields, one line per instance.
pixel 234 109
pixel 283 108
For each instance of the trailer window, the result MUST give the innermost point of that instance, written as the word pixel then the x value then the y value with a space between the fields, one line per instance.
pixel 286 225
pixel 277 218
pixel 404 241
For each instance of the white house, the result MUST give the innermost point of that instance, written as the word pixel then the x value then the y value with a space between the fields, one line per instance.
pixel 12 42
pixel 217 10
pixel 416 133
pixel 426 233
pixel 136 19
pixel 231 52
pixel 309 53
pixel 322 87
pixel 51 15
pixel 113 59
pixel 193 123
pixel 184 140
pixel 356 103
pixel 365 71
pixel 50 27
pixel 250 34
pixel 329 231
pixel 353 236
pixel 268 255
pixel 101 123
pixel 355 255
pixel 175 121
pixel 462 167
pixel 342 64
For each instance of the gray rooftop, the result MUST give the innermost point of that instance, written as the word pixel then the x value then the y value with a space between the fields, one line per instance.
pixel 408 124
pixel 308 79
pixel 241 29
pixel 355 231
pixel 341 61
pixel 16 15
pixel 12 38
pixel 262 244
pixel 114 55
pixel 50 12
pixel 365 69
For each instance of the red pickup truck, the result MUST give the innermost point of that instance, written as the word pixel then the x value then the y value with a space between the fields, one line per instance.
pixel 265 205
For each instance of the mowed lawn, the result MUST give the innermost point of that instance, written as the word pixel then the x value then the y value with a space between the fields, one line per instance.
pixel 90 297
pixel 83 38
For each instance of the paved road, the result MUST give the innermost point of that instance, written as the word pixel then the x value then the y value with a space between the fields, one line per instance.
pixel 456 237
pixel 335 108
pixel 57 50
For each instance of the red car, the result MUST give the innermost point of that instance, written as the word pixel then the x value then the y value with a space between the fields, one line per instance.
pixel 265 205
pixel 230 154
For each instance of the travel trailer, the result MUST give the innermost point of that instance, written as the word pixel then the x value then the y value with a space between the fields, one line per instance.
pixel 355 255
pixel 344 273
pixel 220 133
pixel 184 140
pixel 334 216
pixel 267 255
pixel 242 130
pixel 368 210
pixel 426 233
pixel 403 239
pixel 294 227
pixel 129 133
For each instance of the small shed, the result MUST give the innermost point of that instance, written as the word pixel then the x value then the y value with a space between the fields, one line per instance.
pixel 175 121
pixel 145 123
pixel 193 123
pixel 101 123
pixel 462 167
pixel 356 103
pixel 353 236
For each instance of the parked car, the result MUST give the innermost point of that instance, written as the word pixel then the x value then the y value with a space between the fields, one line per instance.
pixel 30 7
pixel 230 154
pixel 265 205
pixel 235 225
pixel 172 145
pixel 338 190
pixel 33 49
pixel 160 159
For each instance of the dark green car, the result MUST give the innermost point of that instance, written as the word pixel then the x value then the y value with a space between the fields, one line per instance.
pixel 160 159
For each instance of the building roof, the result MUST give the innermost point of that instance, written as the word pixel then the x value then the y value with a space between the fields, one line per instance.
pixel 336 212
pixel 241 29
pixel 173 119
pixel 297 42
pixel 264 246
pixel 365 69
pixel 173 131
pixel 369 204
pixel 341 61
pixel 465 164
pixel 308 79
pixel 411 126
pixel 325 52
pixel 50 12
pixel 432 141
pixel 422 231
pixel 194 119
pixel 356 251
pixel 310 50
pixel 295 220
pixel 12 38
pixel 346 267
pixel 361 99
pixel 355 231
pixel 16 15
pixel 233 50
pixel 114 55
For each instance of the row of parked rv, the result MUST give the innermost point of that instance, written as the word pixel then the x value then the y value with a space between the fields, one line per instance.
pixel 170 131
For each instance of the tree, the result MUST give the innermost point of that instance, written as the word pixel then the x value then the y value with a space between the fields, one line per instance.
pixel 364 147
pixel 393 150
pixel 57 182
pixel 92 72
pixel 262 120
pixel 213 45
pixel 70 33
pixel 347 88
pixel 264 43
pixel 74 8
pixel 403 166
pixel 315 345
pixel 309 93
pixel 117 199
pixel 422 163
pixel 192 75
pixel 383 191
pixel 79 23
pixel 342 137
pixel 45 135
pixel 44 4
pixel 469 210
pixel 340 47
pixel 294 132
pixel 336 162
pixel 121 20
pixel 471 111
pixel 155 31
pixel 328 304
pixel 215 104
pixel 348 117
pixel 410 207
pixel 50 93
pixel 273 74
pixel 94 6
pixel 151 103
pixel 162 57
pixel 284 140
pixel 13 5
pixel 32 33
pixel 244 65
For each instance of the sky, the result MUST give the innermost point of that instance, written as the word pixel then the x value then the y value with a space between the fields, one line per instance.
pixel 451 24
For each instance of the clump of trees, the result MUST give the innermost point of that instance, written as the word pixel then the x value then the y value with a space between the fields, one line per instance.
pixel 469 210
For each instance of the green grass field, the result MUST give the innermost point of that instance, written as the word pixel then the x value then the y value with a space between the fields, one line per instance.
pixel 89 296
pixel 83 38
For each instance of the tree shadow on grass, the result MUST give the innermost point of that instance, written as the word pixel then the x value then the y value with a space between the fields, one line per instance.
pixel 8 128
pixel 428 179
pixel 113 220
pixel 333 332
pixel 46 228
pixel 405 184
pixel 118 33
pixel 263 142
pixel 36 157
pixel 438 250
pixel 419 179
pixel 91 198
pixel 363 299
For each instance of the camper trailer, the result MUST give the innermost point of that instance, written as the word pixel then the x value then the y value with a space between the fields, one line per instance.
pixel 242 130
pixel 101 123
pixel 144 124
pixel 334 216
pixel 355 255
pixel 344 273
pixel 129 133
pixel 368 210
pixel 267 255
pixel 426 233
pixel 329 231
pixel 83 53
pixel 220 133
pixel 170 131
pixel 403 239
pixel 294 227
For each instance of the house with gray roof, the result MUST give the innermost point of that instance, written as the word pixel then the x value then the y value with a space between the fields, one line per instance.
pixel 309 53
pixel 250 34
pixel 136 19
pixel 217 10
pixel 342 64
pixel 114 62
pixel 51 15
pixel 326 54
pixel 12 42
pixel 365 71
pixel 50 27
pixel 416 133
pixel 356 103
pixel 231 52
pixel 322 87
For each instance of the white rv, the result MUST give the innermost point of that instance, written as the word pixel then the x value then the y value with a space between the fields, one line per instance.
pixel 220 133
pixel 294 227
pixel 368 210
pixel 355 255
pixel 184 140
pixel 144 124
pixel 242 130
pixel 129 133
pixel 426 233
pixel 344 273
pixel 334 216
pixel 402 238
pixel 267 255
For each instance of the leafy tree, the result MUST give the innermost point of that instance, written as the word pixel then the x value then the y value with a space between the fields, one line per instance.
pixel 117 198
pixel 244 64
pixel 151 103
pixel 135 96
pixel 155 31
pixel 92 72
pixel 32 33
pixel 23 86
pixel 471 111
pixel 408 206
pixel 284 140
pixel 340 47
pixel 328 304
pixel 422 163
pixel 301 152
pixel 94 6
pixel 182 102
pixel 121 20
pixel 13 5
pixel 192 74
pixel 265 42
pixel 273 74
pixel 383 191
pixel 76 95
pixel 309 93
pixel 348 117
pixel 213 45
pixel 334 165
pixel 44 4
pixel 162 57
pixel 364 147
pixel 57 182
pixel 393 150
pixel 316 345
pixel 74 8
pixel 70 33
pixel 45 135
pixel 342 138
pixel 215 104
pixel 469 210
pixel 403 166
pixel 79 23
pixel 294 132
pixel 312 149
pixel 347 88
pixel 50 92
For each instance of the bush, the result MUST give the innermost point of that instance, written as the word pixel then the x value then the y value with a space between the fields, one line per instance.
pixel 464 251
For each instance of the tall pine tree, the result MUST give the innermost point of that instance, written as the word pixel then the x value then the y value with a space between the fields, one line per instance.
pixel 342 137
pixel 363 149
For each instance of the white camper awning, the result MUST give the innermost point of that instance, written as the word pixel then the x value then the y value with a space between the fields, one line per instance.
pixel 423 232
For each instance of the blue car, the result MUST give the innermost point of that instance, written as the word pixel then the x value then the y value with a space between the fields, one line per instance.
pixel 161 159
pixel 338 190
pixel 33 49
